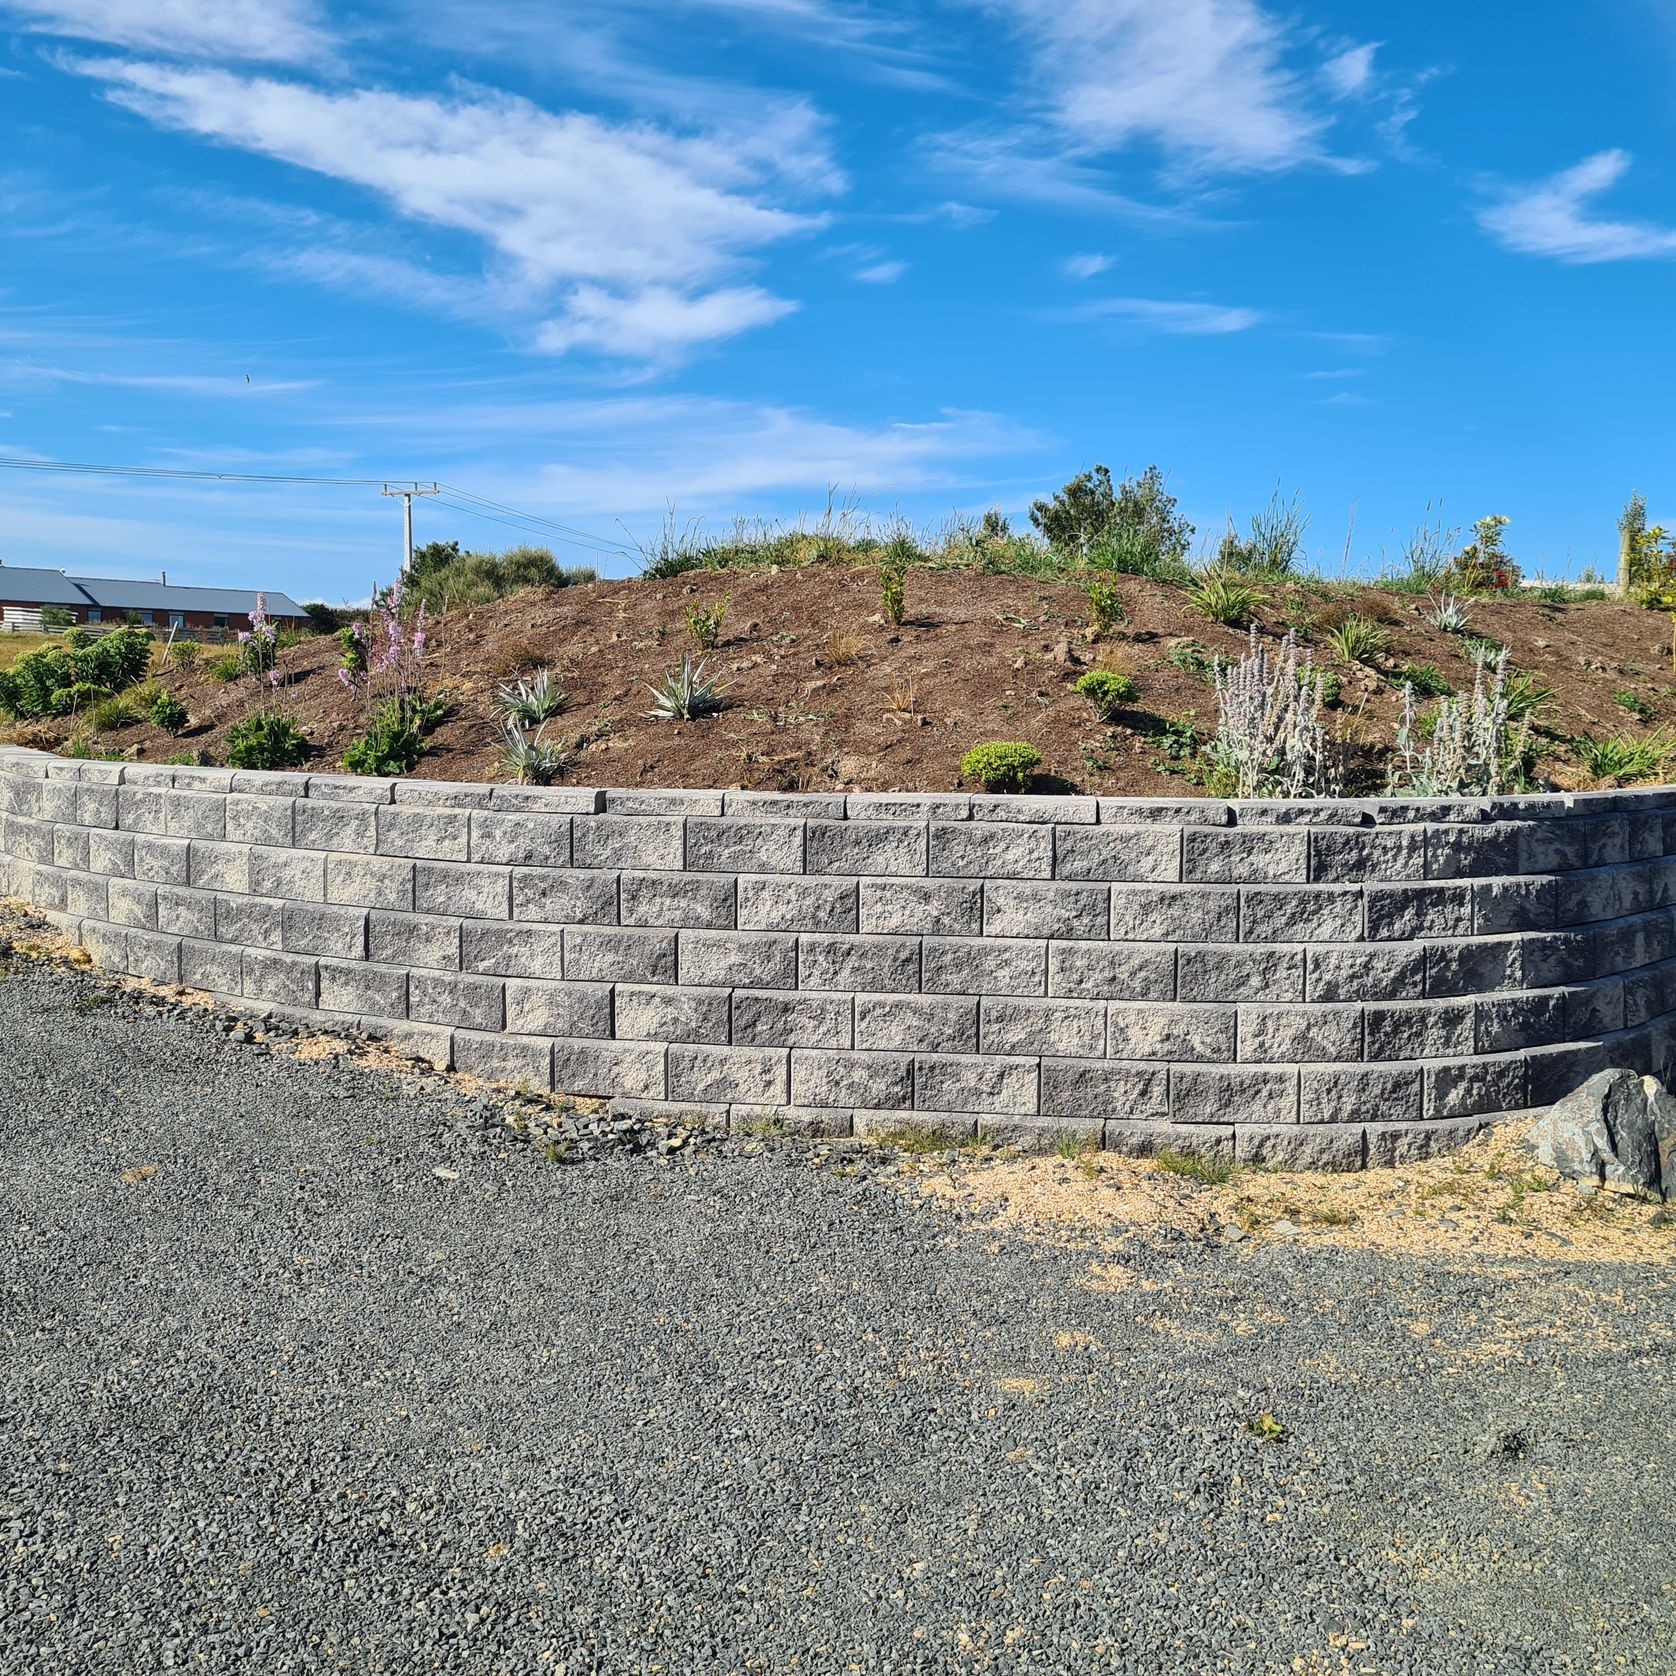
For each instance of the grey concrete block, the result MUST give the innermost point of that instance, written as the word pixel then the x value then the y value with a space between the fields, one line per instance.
pixel 1242 1094
pixel 213 866
pixel 1390 1145
pixel 1356 856
pixel 772 1018
pixel 608 955
pixel 461 1002
pixel 1245 856
pixel 474 892
pixel 756 1075
pixel 887 964
pixel 1033 810
pixel 318 928
pixel 345 827
pixel 736 959
pixel 1404 912
pixel 951 1083
pixel 355 986
pixel 33 840
pixel 673 802
pixel 1299 1146
pixel 1592 1009
pixel 1216 972
pixel 528 840
pixel 163 861
pixel 1112 971
pixel 215 967
pixel 1585 897
pixel 71 847
pixel 350 788
pixel 1296 1034
pixel 526 1061
pixel 184 913
pixel 797 904
pixel 108 944
pixel 431 1043
pixel 976 966
pixel 1387 972
pixel 634 841
pixel 1470 968
pixel 929 907
pixel 428 834
pixel 664 1013
pixel 704 903
pixel 886 1126
pixel 444 794
pixel 564 896
pixel 153 955
pixel 864 1081
pixel 1468 1087
pixel 96 806
pixel 1165 811
pixel 1135 1030
pixel 1420 1029
pixel 369 882
pixel 259 820
pixel 299 875
pixel 1034 1136
pixel 1472 852
pixel 1100 1089
pixel 731 845
pixel 413 940
pixel 139 809
pixel 907 806
pixel 253 922
pixel 128 903
pixel 289 979
pixel 916 1023
pixel 1552 1073
pixel 985 850
pixel 1301 914
pixel 1146 1140
pixel 1505 1023
pixel 549 800
pixel 1123 853
pixel 57 801
pixel 512 951
pixel 1175 914
pixel 1064 1029
pixel 1513 905
pixel 1046 910
pixel 537 1008
pixel 867 847
pixel 85 895
pixel 1357 1094
pixel 261 782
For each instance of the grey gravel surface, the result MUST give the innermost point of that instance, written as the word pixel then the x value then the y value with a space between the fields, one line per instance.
pixel 299 1402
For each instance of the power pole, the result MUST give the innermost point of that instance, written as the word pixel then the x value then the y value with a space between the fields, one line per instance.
pixel 404 492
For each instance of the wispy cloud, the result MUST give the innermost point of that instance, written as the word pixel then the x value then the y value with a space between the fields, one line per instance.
pixel 1087 265
pixel 274 31
pixel 181 384
pixel 1554 217
pixel 1336 373
pixel 882 273
pixel 1177 318
pixel 1350 72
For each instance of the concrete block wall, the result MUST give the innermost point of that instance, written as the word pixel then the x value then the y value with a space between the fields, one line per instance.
pixel 1322 984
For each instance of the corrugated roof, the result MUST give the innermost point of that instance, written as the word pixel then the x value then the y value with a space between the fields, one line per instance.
pixel 26 585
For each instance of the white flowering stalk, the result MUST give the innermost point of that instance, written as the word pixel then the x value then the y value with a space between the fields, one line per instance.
pixel 1473 749
pixel 1269 736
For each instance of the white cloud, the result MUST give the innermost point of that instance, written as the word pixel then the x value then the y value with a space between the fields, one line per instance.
pixel 1087 265
pixel 1553 218
pixel 1350 72
pixel 180 384
pixel 641 221
pixel 882 273
pixel 1029 165
pixel 1182 319
pixel 276 31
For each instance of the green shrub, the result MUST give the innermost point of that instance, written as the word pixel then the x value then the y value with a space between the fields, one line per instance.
pixel 1427 680
pixel 269 741
pixel 1620 758
pixel 1105 606
pixel 184 654
pixel 1274 547
pixel 394 742
pixel 1633 702
pixel 1224 598
pixel 893 582
pixel 1331 684
pixel 352 644
pixel 1107 690
pixel 111 713
pixel 228 667
pixel 1524 695
pixel 168 713
pixel 1001 765
pixel 77 697
pixel 442 575
pixel 1191 658
pixel 75 666
pixel 1358 639
pixel 1088 514
pixel 704 623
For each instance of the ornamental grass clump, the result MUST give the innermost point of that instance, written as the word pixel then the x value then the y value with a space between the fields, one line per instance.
pixel 1472 746
pixel 1270 740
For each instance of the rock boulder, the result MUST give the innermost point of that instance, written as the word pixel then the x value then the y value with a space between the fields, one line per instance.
pixel 1618 1130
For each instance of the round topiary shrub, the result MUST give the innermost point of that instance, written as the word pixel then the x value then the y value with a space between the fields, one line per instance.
pixel 1108 690
pixel 1001 765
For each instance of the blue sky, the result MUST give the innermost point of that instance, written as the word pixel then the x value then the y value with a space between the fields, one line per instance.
pixel 600 258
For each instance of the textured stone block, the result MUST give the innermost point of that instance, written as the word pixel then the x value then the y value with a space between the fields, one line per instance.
pixel 678 801
pixel 1112 971
pixel 735 959
pixel 182 912
pixel 1241 1094
pixel 515 951
pixel 1470 968
pixel 663 1013
pixel 1355 1094
pixel 1064 1029
pixel 985 850
pixel 1216 972
pixel 86 895
pixel 163 861
pixel 1046 910
pixel 259 820
pixel 214 967
pixel 57 802
pixel 1164 811
pixel 1583 898
pixel 261 782
pixel 976 966
pixel 350 788
pixel 1241 856
pixel 1175 914
pixel 71 847
pixel 1355 856
pixel 189 816
pixel 915 1024
pixel 475 892
pixel 867 1081
pixel 758 1075
pixel 1103 1090
pixel 907 806
pixel 1552 1073
pixel 345 827
pixel 138 809
pixel 563 896
pixel 355 986
pixel 318 928
pixel 537 1008
pixel 213 866
pixel 288 979
pixel 413 940
pixel 608 956
pixel 914 907
pixel 1036 809
pixel 947 1083
pixel 298 875
pixel 1304 914
pixel 636 841
pixel 1509 1022
pixel 96 806
pixel 1117 853
pixel 1034 1136
pixel 251 921
pixel 1390 972
pixel 676 899
pixel 785 805
pixel 633 1070
pixel 1135 1030
pixel 153 955
pixel 444 794
pixel 1592 1009
pixel 797 904
pixel 1468 1087
pixel 772 1018
pixel 1299 1146
pixel 129 903
pixel 527 840
pixel 430 834
pixel 1512 905
pixel 1419 1029
pixel 1392 1144
pixel 526 1061
pixel 1146 1140
pixel 366 881
pixel 888 1125
pixel 1404 912
pixel 1295 1034
pixel 467 1003
pixel 33 841
pixel 888 964
pixel 1470 852
pixel 866 847
pixel 730 845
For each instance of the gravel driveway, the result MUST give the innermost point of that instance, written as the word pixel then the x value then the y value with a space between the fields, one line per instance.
pixel 354 1380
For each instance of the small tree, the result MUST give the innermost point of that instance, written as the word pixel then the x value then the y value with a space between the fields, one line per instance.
pixel 1088 512
pixel 1080 513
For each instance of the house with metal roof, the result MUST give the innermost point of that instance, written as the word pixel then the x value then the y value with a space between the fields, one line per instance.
pixel 26 593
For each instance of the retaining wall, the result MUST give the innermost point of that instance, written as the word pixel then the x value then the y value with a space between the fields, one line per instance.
pixel 1325 984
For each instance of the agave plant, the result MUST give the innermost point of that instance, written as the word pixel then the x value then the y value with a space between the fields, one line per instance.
pixel 1449 612
pixel 534 699
pixel 530 760
pixel 684 694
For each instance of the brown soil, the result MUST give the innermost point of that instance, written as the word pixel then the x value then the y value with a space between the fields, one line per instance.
pixel 823 693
